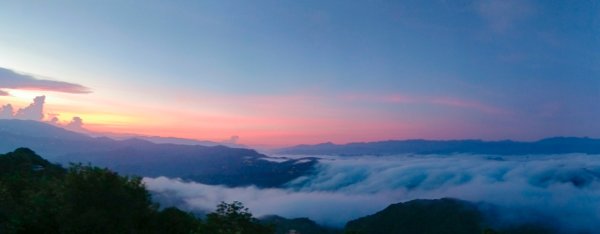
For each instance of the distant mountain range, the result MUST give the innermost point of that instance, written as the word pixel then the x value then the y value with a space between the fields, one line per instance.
pixel 204 164
pixel 556 145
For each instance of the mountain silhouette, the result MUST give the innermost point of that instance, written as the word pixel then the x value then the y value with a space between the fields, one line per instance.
pixel 204 164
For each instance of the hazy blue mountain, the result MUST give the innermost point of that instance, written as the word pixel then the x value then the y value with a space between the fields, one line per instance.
pixel 38 129
pixel 165 140
pixel 50 140
pixel 184 141
pixel 557 145
pixel 205 164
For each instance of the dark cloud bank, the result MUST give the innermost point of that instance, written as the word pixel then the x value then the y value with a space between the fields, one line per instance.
pixel 10 79
pixel 562 189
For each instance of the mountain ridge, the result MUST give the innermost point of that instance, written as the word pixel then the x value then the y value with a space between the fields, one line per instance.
pixel 553 145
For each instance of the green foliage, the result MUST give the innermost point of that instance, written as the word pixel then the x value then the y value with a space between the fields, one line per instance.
pixel 175 221
pixel 98 200
pixel 29 189
pixel 234 218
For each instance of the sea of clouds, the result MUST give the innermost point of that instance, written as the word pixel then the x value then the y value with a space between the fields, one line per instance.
pixel 562 189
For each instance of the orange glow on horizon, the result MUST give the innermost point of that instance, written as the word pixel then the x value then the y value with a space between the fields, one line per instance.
pixel 265 121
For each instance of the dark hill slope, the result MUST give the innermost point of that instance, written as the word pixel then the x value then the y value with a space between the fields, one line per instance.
pixel 441 216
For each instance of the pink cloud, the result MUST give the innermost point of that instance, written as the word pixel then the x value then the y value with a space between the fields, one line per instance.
pixel 443 101
pixel 392 98
pixel 550 109
pixel 468 104
pixel 504 15
pixel 396 98
pixel 35 111
pixel 6 111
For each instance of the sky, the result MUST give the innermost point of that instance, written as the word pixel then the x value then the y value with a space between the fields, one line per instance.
pixel 279 73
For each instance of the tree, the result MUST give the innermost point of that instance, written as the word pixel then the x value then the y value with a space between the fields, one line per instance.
pixel 234 218
pixel 98 200
pixel 489 231
pixel 174 221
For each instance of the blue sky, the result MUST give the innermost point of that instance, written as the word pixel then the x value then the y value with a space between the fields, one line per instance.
pixel 463 69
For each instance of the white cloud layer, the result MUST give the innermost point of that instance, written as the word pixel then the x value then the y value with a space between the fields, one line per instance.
pixel 565 188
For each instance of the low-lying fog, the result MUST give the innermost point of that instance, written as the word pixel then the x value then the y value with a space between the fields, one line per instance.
pixel 562 188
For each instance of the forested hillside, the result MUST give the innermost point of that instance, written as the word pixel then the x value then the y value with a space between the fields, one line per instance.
pixel 37 196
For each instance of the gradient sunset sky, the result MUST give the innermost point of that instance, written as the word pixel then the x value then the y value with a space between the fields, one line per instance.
pixel 280 73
